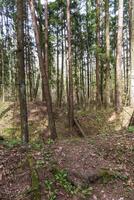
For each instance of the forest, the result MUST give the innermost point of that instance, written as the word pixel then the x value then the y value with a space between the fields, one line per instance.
pixel 67 99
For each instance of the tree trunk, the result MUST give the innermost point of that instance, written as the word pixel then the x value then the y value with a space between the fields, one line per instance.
pixel 107 78
pixel 62 70
pixel 58 81
pixel 70 98
pixel 88 39
pixel 132 55
pixel 21 71
pixel 98 92
pixel 44 65
pixel 118 78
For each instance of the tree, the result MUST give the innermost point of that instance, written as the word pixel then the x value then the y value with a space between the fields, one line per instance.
pixel 132 55
pixel 118 86
pixel 107 35
pixel 98 92
pixel 21 71
pixel 69 65
pixel 44 65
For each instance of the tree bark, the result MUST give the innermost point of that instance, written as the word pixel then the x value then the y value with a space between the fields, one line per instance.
pixel 107 35
pixel 132 55
pixel 62 70
pixel 70 98
pixel 98 92
pixel 44 66
pixel 21 71
pixel 118 78
pixel 88 39
pixel 58 75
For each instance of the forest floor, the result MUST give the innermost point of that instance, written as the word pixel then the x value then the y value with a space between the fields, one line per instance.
pixel 97 167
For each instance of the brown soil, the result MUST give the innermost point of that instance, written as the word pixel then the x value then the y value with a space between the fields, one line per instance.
pixel 102 163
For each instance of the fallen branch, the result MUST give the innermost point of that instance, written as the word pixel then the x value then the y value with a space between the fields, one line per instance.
pixel 131 123
pixel 77 124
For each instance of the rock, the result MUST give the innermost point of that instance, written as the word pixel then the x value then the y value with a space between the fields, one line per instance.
pixel 83 180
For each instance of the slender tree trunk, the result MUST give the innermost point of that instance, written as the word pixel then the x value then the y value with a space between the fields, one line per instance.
pixel 118 78
pixel 62 70
pixel 76 74
pixel 21 71
pixel 36 86
pixel 132 55
pixel 66 56
pixel 70 99
pixel 127 68
pixel 41 35
pixel 88 39
pixel 98 92
pixel 44 65
pixel 58 81
pixel 107 35
pixel 129 44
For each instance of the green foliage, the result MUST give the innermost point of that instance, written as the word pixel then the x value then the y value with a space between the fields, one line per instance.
pixel 37 145
pixel 10 131
pixel 50 141
pixel 49 188
pixel 47 156
pixel 40 163
pixel 11 143
pixel 131 129
pixel 86 191
pixel 61 177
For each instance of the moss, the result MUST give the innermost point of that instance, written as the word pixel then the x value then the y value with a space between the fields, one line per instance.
pixel 107 176
pixel 35 182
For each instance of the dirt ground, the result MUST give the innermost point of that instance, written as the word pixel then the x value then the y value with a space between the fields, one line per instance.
pixel 97 167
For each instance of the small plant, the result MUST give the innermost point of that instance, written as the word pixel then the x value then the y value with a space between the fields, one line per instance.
pixel 49 188
pixel 50 141
pixel 12 143
pixel 47 155
pixel 61 177
pixel 10 131
pixel 131 129
pixel 48 184
pixel 40 163
pixel 86 191
pixel 52 196
pixel 37 145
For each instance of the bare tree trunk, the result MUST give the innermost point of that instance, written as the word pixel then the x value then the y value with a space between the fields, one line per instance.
pixel 62 70
pixel 132 55
pixel 58 81
pixel 36 86
pixel 118 83
pixel 107 78
pixel 44 65
pixel 21 71
pixel 70 98
pixel 88 39
pixel 98 92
